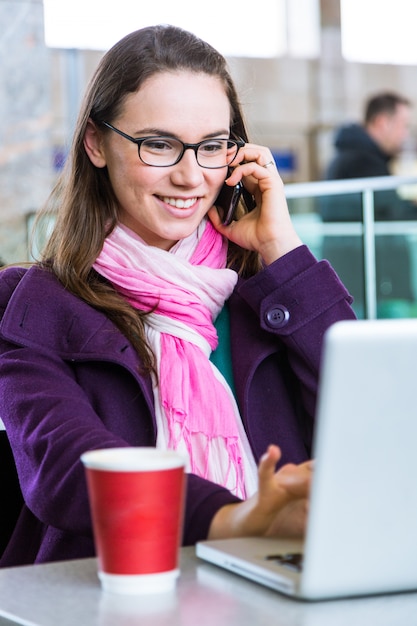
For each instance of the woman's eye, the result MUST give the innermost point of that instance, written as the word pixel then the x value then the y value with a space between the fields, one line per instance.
pixel 158 145
pixel 213 146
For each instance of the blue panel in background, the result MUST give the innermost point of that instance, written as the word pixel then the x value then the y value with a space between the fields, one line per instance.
pixel 285 160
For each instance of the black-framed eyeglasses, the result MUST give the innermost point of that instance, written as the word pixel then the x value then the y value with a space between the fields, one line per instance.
pixel 166 151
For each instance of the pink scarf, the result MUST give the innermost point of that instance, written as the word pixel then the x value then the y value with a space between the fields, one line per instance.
pixel 195 408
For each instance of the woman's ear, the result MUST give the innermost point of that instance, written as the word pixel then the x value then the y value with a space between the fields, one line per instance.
pixel 93 144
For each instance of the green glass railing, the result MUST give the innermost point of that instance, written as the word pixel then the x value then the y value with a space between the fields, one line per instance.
pixel 367 229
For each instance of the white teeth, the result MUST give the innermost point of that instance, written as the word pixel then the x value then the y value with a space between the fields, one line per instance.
pixel 178 203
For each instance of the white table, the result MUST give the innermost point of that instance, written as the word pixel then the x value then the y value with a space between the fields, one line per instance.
pixel 69 594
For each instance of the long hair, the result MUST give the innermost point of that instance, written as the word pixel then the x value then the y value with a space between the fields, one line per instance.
pixel 83 203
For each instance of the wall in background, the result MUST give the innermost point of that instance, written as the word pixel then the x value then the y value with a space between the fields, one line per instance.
pixel 25 121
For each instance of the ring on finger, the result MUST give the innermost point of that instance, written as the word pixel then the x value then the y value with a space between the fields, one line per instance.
pixel 269 164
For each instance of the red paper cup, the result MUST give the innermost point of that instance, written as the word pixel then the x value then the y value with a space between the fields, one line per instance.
pixel 136 500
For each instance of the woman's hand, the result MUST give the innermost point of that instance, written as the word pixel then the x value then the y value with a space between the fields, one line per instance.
pixel 267 229
pixel 279 508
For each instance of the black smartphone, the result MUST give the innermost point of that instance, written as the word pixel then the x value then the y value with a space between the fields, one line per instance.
pixel 227 201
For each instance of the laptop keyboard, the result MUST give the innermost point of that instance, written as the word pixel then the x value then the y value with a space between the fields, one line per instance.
pixel 292 560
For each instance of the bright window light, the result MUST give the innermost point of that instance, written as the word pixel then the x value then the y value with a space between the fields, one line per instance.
pixel 303 18
pixel 98 24
pixel 379 31
pixel 281 27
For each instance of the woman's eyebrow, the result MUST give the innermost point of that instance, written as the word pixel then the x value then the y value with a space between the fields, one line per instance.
pixel 167 133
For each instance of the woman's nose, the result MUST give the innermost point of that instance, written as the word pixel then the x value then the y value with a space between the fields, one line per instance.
pixel 187 172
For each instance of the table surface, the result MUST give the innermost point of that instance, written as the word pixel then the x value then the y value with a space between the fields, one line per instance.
pixel 68 593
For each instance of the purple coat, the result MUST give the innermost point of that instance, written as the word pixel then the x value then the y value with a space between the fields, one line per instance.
pixel 70 382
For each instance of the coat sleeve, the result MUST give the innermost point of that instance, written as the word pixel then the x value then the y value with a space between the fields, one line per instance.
pixel 50 422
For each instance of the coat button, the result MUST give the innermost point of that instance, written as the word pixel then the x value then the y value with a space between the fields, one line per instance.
pixel 277 317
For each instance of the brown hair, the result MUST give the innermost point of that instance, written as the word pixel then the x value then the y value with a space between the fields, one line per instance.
pixel 83 202
pixel 386 102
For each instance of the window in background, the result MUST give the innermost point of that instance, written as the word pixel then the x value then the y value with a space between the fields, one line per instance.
pixel 379 31
pixel 303 28
pixel 282 26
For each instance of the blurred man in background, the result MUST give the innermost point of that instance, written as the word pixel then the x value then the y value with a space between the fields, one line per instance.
pixel 365 150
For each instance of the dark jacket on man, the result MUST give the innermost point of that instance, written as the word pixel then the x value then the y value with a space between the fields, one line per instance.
pixel 359 156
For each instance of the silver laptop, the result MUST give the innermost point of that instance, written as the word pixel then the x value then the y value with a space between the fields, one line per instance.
pixel 362 527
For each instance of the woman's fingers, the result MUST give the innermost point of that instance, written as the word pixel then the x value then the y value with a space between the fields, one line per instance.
pixel 296 479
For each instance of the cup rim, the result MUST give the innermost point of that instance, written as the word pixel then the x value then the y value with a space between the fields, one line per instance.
pixel 132 458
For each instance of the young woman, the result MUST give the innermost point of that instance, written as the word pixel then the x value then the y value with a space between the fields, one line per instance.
pixel 149 322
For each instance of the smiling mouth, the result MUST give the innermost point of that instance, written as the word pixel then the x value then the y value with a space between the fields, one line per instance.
pixel 179 203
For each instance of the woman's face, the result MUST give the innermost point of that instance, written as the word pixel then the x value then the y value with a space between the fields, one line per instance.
pixel 165 204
